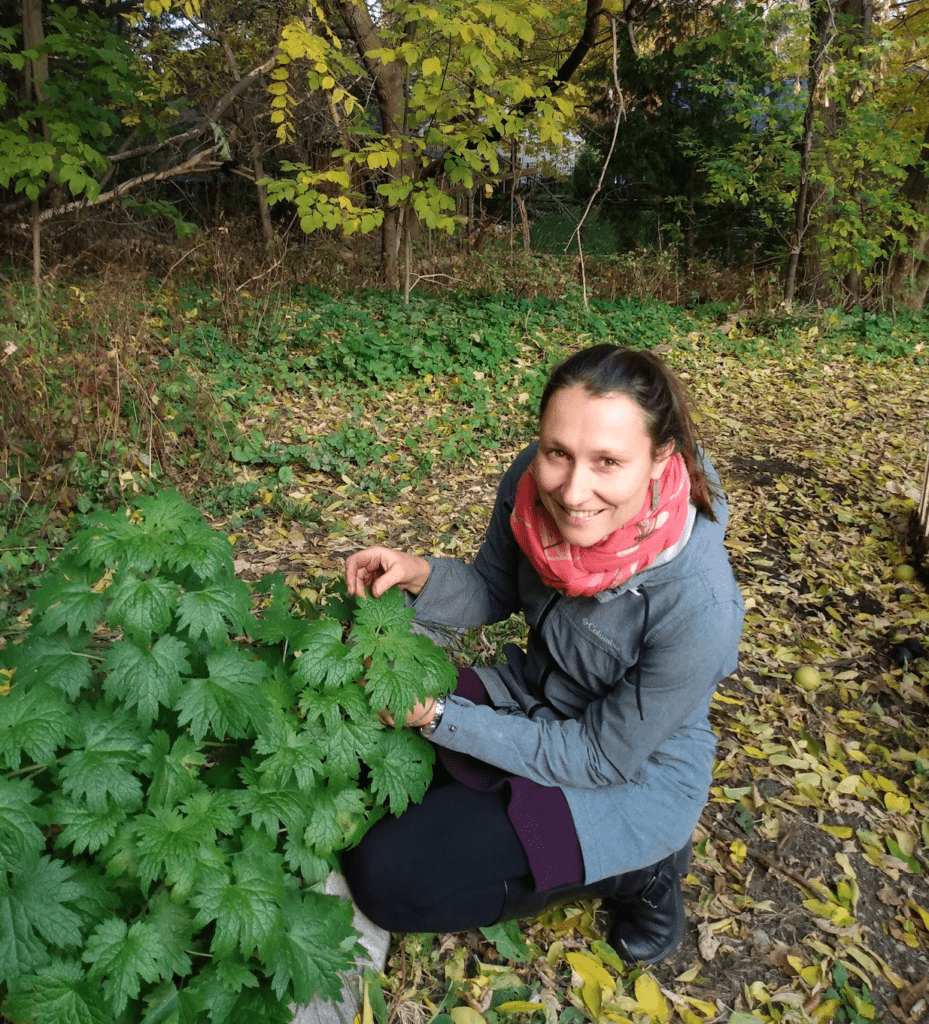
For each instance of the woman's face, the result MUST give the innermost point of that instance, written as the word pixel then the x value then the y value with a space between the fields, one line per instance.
pixel 594 464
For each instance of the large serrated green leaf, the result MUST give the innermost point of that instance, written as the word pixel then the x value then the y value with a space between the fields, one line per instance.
pixel 401 768
pixel 325 657
pixel 247 911
pixel 122 957
pixel 167 515
pixel 19 822
pixel 36 916
pixel 317 943
pixel 33 722
pixel 141 606
pixel 268 806
pixel 205 552
pixel 68 603
pixel 177 846
pixel 290 752
pixel 377 619
pixel 58 993
pixel 173 768
pixel 337 815
pixel 55 660
pixel 82 828
pixel 107 746
pixel 146 678
pixel 230 701
pixel 214 610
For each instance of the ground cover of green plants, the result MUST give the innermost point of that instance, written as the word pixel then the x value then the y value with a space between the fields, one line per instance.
pixel 305 426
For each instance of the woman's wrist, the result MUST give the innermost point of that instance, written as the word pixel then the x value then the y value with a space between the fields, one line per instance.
pixel 430 726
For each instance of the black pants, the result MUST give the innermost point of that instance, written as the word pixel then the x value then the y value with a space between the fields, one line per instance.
pixel 445 865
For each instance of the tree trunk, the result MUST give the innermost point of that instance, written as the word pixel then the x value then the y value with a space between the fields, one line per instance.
pixel 820 41
pixel 837 28
pixel 909 270
pixel 35 75
pixel 388 81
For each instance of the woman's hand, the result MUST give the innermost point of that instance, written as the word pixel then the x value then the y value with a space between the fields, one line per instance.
pixel 382 568
pixel 422 714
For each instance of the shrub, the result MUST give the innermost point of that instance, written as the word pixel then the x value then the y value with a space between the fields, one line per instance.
pixel 177 777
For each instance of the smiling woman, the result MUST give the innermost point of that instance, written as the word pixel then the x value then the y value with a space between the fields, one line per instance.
pixel 581 766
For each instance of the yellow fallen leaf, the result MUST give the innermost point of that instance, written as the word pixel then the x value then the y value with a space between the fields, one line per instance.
pixel 591 970
pixel 648 995
pixel 466 1015
pixel 519 1006
pixel 592 994
pixel 924 915
pixel 897 802
pixel 839 831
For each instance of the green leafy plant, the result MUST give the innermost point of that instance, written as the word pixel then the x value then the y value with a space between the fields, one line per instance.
pixel 179 774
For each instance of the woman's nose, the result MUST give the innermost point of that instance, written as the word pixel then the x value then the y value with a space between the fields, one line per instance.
pixel 576 488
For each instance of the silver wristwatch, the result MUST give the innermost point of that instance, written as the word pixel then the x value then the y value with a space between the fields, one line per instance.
pixel 428 729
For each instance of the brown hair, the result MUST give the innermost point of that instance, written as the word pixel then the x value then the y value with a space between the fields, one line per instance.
pixel 611 370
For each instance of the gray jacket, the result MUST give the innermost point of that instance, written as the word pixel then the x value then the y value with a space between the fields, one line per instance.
pixel 610 700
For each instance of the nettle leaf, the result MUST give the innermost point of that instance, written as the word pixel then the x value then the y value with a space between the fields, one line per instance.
pixel 111 539
pixel 141 606
pixel 277 624
pixel 214 989
pixel 213 611
pixel 207 553
pixel 122 957
pixel 291 752
pixel 325 657
pixel 317 943
pixel 82 828
pixel 103 764
pixel 58 993
pixel 330 703
pixel 347 744
pixel 168 515
pixel 146 678
pixel 392 688
pixel 177 846
pixel 175 926
pixel 54 660
pixel 69 603
pixel 230 701
pixel 337 815
pixel 269 806
pixel 377 619
pixel 34 722
pixel 401 768
pixel 103 540
pixel 35 914
pixel 247 911
pixel 19 822
pixel 173 769
pixel 303 860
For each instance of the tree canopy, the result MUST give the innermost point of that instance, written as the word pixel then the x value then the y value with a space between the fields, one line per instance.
pixel 797 133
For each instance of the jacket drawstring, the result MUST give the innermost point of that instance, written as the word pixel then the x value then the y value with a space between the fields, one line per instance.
pixel 638 664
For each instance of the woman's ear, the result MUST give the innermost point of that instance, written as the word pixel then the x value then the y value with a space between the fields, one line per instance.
pixel 660 459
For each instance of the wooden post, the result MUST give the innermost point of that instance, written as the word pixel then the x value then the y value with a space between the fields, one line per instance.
pixel 923 524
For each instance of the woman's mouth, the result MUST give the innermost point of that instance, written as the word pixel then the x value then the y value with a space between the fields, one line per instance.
pixel 580 515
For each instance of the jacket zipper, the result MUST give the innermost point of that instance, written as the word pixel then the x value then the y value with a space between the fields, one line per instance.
pixel 539 691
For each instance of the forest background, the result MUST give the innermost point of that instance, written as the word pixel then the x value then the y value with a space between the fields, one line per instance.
pixel 303 267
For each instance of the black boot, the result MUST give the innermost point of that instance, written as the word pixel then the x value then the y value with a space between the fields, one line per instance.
pixel 521 902
pixel 650 915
